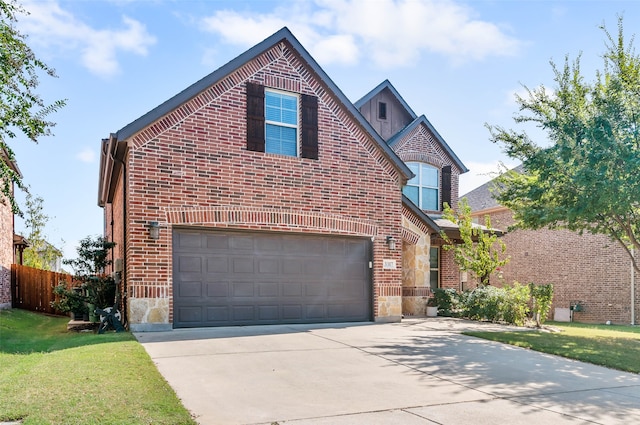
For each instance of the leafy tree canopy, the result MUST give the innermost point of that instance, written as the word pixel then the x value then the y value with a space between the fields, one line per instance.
pixel 21 109
pixel 588 179
pixel 479 250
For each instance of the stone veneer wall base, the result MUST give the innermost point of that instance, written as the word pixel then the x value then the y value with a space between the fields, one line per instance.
pixel 5 306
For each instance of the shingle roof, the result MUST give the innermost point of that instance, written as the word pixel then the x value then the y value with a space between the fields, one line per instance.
pixel 481 198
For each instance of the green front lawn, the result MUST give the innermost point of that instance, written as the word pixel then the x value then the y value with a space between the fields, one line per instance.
pixel 614 346
pixel 51 376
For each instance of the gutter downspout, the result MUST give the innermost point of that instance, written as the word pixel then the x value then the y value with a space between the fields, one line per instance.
pixel 124 237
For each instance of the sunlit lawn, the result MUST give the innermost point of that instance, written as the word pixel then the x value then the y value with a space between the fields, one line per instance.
pixel 614 346
pixel 51 376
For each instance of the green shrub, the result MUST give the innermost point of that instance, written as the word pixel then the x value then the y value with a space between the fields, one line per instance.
pixel 483 303
pixel 448 302
pixel 514 307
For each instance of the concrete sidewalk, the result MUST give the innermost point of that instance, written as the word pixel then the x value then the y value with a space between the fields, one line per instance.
pixel 420 371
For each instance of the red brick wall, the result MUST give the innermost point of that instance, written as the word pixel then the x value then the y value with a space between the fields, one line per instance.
pixel 588 268
pixel 199 160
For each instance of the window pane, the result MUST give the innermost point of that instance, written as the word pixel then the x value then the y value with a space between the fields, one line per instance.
pixel 289 117
pixel 415 169
pixel 433 258
pixel 429 199
pixel 272 114
pixel 411 192
pixel 281 108
pixel 281 140
pixel 433 279
pixel 429 176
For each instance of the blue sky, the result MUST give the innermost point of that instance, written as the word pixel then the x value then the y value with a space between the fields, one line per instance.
pixel 458 62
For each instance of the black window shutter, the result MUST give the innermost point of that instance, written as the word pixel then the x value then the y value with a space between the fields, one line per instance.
pixel 446 185
pixel 309 130
pixel 255 117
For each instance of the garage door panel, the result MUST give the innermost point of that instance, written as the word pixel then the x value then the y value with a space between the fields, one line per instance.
pixel 231 278
pixel 243 289
pixel 243 313
pixel 268 313
pixel 242 264
pixel 190 264
pixel 191 289
pixel 217 265
pixel 291 289
pixel 218 289
pixel 190 314
pixel 218 314
pixel 190 240
pixel 241 242
pixel 217 242
pixel 315 311
pixel 269 266
pixel 292 267
pixel 270 290
pixel 292 312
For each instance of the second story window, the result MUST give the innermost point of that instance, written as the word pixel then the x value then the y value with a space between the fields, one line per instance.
pixel 281 120
pixel 382 110
pixel 423 188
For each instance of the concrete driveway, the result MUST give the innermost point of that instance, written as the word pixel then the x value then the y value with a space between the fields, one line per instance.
pixel 420 371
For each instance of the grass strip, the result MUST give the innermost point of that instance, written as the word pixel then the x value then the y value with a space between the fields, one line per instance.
pixel 616 347
pixel 51 376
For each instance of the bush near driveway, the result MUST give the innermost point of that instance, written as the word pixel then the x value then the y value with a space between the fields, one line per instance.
pixel 51 376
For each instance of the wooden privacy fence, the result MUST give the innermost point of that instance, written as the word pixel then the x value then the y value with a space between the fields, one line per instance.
pixel 32 289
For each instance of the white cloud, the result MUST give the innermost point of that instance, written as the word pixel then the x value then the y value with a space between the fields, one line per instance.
pixel 87 155
pixel 50 25
pixel 390 32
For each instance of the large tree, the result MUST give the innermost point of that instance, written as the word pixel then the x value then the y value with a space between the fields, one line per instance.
pixel 588 178
pixel 21 109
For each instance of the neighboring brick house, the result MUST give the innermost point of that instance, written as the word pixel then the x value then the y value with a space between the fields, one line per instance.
pixel 591 269
pixel 261 194
pixel 6 241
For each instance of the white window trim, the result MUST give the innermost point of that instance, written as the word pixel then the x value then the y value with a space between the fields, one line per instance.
pixel 282 124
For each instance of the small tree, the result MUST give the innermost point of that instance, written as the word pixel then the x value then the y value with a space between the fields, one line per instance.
pixel 479 249
pixel 40 254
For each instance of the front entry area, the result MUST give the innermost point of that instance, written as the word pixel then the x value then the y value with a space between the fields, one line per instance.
pixel 225 278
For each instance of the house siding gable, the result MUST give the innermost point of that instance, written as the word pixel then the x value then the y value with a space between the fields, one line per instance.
pixel 397 116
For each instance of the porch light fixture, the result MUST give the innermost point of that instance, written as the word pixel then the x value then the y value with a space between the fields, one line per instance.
pixel 391 242
pixel 154 230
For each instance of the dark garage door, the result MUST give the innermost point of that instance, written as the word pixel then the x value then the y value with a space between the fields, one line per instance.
pixel 234 278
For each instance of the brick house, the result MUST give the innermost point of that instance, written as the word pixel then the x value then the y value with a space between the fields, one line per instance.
pixel 591 269
pixel 7 229
pixel 261 194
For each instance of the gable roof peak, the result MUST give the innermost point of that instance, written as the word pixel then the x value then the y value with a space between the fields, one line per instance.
pixel 386 84
pixel 422 120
